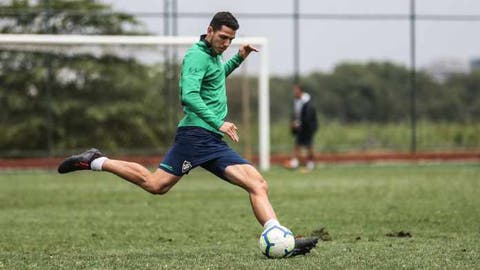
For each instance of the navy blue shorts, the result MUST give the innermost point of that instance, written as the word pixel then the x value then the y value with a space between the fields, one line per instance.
pixel 304 139
pixel 196 146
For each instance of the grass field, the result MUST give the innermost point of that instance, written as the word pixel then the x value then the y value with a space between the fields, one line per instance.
pixel 95 221
pixel 395 136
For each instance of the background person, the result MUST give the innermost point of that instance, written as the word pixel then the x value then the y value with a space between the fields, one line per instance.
pixel 303 126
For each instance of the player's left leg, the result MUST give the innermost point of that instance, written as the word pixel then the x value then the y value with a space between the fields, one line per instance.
pixel 310 164
pixel 247 177
pixel 232 167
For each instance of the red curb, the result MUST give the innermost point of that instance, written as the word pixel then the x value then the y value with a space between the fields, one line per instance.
pixel 153 161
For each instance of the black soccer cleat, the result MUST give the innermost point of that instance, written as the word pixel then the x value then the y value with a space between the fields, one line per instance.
pixel 303 245
pixel 79 162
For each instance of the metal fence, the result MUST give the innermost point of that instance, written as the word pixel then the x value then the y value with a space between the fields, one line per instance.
pixel 297 24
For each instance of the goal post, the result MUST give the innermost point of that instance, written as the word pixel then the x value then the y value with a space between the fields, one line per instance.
pixel 17 41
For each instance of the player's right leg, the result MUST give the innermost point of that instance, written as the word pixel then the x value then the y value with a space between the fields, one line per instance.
pixel 158 182
pixel 293 162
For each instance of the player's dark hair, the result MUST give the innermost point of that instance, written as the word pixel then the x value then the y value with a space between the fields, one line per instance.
pixel 224 18
pixel 301 86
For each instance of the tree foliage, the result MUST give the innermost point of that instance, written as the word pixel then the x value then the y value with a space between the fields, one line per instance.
pixel 378 92
pixel 65 17
pixel 116 102
pixel 110 101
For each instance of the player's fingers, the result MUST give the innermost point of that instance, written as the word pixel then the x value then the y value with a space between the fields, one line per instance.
pixel 253 48
pixel 234 136
pixel 229 134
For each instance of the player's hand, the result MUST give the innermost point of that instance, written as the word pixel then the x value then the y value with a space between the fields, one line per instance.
pixel 295 124
pixel 246 49
pixel 231 130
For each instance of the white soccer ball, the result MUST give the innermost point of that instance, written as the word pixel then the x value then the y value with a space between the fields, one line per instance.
pixel 277 242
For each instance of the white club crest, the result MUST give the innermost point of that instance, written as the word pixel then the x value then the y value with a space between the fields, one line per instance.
pixel 186 166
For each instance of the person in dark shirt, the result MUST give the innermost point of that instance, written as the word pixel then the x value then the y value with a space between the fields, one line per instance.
pixel 304 125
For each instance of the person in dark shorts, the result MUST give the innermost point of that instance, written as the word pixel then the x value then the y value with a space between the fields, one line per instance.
pixel 304 125
pixel 199 139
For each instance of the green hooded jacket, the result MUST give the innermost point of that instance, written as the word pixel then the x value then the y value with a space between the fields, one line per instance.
pixel 202 87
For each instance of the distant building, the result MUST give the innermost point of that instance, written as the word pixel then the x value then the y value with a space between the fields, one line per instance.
pixel 442 69
pixel 475 64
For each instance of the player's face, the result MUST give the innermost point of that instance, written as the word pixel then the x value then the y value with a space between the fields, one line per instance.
pixel 220 39
pixel 297 92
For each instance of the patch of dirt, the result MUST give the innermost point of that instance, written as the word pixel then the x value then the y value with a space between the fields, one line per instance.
pixel 322 233
pixel 163 239
pixel 399 234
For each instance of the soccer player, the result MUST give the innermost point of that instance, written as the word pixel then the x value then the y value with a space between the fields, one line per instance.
pixel 199 138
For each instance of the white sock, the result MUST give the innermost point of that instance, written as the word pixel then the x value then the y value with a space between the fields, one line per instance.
pixel 310 165
pixel 270 223
pixel 294 163
pixel 97 163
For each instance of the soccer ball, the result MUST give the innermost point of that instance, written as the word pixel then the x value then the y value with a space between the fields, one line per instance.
pixel 277 242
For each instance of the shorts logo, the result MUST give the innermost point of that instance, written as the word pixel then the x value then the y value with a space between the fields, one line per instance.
pixel 186 166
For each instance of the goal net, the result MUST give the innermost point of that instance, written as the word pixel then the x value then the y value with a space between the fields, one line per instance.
pixel 128 80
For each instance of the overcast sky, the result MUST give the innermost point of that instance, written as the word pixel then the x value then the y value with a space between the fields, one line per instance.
pixel 324 43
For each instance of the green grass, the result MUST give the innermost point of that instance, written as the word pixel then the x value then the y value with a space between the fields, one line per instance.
pixel 337 137
pixel 95 221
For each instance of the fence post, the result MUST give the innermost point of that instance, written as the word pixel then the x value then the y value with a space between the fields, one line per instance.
pixel 413 89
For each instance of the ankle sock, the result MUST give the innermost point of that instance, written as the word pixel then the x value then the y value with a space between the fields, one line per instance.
pixel 270 223
pixel 294 163
pixel 97 163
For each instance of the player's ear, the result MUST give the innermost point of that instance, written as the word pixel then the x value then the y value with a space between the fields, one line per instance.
pixel 210 30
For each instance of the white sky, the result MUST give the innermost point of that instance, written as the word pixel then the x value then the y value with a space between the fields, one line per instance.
pixel 324 43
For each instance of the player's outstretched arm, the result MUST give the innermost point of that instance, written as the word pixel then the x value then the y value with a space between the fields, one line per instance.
pixel 235 61
pixel 246 49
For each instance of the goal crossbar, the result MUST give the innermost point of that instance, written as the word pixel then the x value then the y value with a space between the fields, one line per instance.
pixel 12 40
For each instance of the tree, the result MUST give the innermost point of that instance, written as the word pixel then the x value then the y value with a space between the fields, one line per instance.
pixel 111 101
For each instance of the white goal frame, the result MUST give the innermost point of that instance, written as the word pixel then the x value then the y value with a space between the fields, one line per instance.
pixel 85 40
